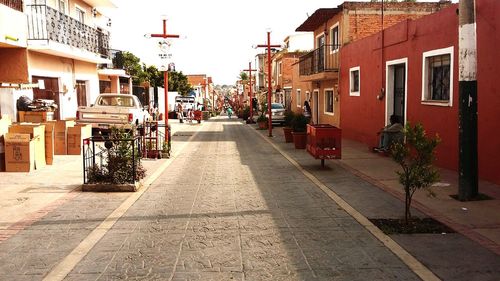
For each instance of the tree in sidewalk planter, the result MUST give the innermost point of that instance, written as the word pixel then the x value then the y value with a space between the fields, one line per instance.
pixel 415 156
pixel 287 126
pixel 299 123
pixel 121 156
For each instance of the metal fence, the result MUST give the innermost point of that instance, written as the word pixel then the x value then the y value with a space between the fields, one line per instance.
pixel 46 23
pixel 322 59
pixel 111 160
pixel 14 4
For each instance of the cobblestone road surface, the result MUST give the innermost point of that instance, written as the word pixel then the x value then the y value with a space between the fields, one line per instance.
pixel 229 207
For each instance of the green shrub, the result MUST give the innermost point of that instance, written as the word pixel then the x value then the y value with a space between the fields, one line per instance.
pixel 299 123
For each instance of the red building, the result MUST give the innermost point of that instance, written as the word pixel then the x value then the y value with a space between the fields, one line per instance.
pixel 417 68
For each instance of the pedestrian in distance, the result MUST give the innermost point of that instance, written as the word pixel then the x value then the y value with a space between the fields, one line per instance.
pixel 229 112
pixel 180 112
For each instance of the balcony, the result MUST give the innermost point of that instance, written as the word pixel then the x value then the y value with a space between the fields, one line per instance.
pixel 320 64
pixel 55 33
pixel 14 4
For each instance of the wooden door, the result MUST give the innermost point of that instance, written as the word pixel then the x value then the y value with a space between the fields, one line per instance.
pixel 51 92
pixel 81 93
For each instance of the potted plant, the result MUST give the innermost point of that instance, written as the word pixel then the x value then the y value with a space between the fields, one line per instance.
pixel 262 121
pixel 299 127
pixel 287 129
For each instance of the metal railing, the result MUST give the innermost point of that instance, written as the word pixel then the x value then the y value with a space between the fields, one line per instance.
pixel 14 4
pixel 111 160
pixel 322 59
pixel 46 23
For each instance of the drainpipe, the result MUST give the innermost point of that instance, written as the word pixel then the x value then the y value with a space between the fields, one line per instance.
pixel 467 107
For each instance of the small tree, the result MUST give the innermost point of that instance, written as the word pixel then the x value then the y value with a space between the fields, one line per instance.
pixel 415 157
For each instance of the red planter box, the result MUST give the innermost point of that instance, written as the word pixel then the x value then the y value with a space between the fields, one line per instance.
pixel 324 141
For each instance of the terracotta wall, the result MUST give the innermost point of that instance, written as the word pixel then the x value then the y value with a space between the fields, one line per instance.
pixel 362 116
pixel 14 66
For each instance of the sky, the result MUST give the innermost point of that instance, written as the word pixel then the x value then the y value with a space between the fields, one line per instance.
pixel 216 36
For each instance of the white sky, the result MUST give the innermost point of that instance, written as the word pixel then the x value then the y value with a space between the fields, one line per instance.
pixel 219 34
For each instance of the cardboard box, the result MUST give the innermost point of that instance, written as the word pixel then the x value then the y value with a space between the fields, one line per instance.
pixel 37 134
pixel 61 136
pixel 19 153
pixel 36 116
pixel 76 135
pixel 49 141
pixel 5 122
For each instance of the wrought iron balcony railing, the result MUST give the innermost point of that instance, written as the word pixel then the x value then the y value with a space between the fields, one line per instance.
pixel 322 59
pixel 46 23
pixel 14 4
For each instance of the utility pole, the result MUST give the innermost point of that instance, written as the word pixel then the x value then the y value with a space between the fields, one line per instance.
pixel 164 35
pixel 251 86
pixel 467 108
pixel 269 77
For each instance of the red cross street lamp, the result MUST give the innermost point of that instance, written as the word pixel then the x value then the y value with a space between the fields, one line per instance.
pixel 269 86
pixel 164 35
pixel 250 96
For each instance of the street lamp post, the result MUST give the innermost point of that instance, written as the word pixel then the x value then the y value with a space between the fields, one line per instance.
pixel 164 35
pixel 250 98
pixel 269 86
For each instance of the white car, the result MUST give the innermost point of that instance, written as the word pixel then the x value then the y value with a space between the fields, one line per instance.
pixel 278 113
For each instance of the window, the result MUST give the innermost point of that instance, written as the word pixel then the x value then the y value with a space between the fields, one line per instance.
pixel 329 101
pixel 437 80
pixel 80 15
pixel 62 6
pixel 335 38
pixel 299 102
pixel 354 88
pixel 279 69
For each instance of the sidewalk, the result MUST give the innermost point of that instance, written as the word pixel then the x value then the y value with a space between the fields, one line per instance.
pixel 27 197
pixel 477 220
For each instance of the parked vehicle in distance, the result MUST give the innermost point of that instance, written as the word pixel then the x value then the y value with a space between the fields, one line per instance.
pixel 112 110
pixel 278 113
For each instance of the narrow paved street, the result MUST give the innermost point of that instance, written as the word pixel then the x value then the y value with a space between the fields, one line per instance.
pixel 228 207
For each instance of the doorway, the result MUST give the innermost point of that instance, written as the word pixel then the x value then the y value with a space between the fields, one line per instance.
pixel 315 107
pixel 51 92
pixel 81 93
pixel 320 54
pixel 396 85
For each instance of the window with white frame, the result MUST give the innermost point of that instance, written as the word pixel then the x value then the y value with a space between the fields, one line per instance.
pixel 62 6
pixel 334 35
pixel 354 83
pixel 299 102
pixel 80 15
pixel 329 101
pixel 437 80
pixel 279 68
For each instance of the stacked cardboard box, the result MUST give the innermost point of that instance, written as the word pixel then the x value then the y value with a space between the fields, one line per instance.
pixel 19 152
pixel 35 116
pixel 37 134
pixel 49 141
pixel 5 122
pixel 76 135
pixel 61 136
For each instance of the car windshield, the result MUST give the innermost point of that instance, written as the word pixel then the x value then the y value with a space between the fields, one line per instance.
pixel 277 106
pixel 116 101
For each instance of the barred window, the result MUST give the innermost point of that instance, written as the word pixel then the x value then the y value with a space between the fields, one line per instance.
pixel 438 79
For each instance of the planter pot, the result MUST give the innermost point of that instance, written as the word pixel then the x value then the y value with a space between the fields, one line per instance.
pixel 299 139
pixel 262 125
pixel 288 134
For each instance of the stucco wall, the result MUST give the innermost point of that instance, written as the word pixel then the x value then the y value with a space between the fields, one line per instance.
pixel 67 71
pixel 362 116
pixel 488 42
pixel 13 65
